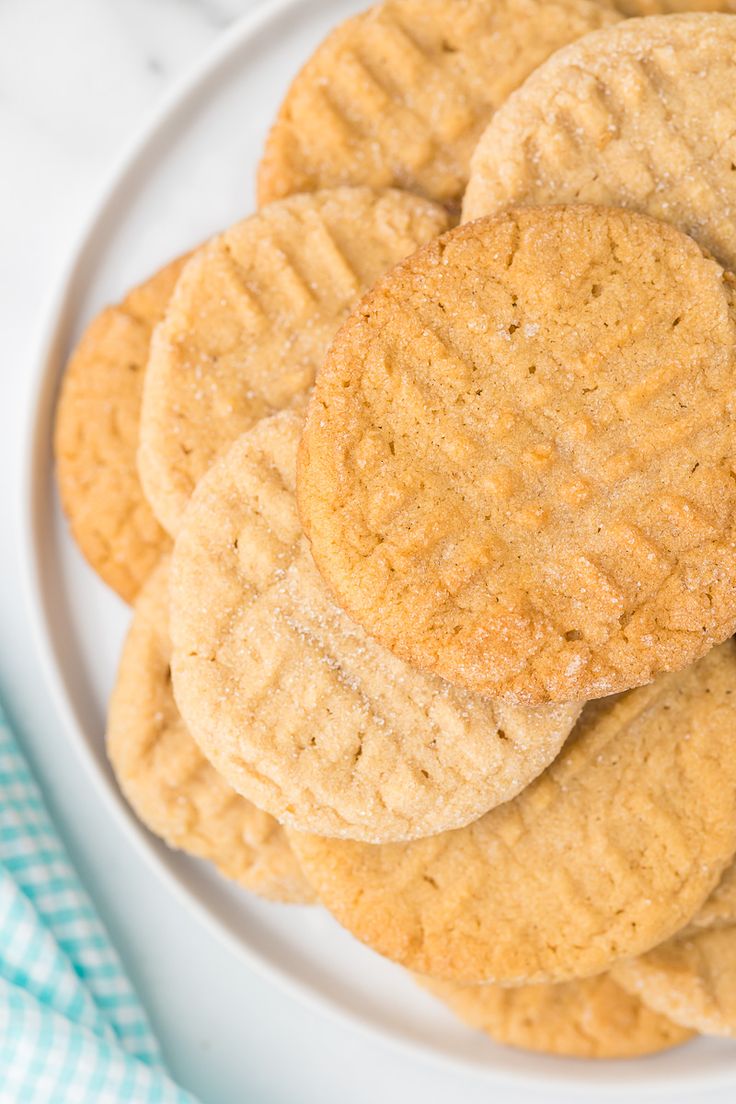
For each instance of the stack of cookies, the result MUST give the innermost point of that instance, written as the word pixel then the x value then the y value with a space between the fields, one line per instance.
pixel 422 483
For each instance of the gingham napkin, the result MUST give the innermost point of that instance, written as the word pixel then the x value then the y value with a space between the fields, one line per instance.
pixel 72 1030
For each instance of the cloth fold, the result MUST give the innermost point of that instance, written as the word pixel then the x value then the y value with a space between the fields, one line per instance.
pixel 72 1030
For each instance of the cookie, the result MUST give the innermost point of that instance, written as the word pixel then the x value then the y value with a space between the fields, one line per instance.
pixel 517 468
pixel 591 1018
pixel 399 95
pixel 167 780
pixel 611 851
pixel 639 115
pixel 692 976
pixel 96 438
pixel 297 708
pixel 251 320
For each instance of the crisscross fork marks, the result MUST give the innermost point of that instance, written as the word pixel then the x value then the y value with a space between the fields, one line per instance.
pixel 431 389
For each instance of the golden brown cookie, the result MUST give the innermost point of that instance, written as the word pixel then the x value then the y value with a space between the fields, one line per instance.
pixel 612 850
pixel 517 468
pixel 692 977
pixel 640 115
pixel 297 708
pixel 591 1018
pixel 172 788
pixel 400 94
pixel 251 320
pixel 96 438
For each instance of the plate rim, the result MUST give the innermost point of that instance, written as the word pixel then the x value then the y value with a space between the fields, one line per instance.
pixel 45 364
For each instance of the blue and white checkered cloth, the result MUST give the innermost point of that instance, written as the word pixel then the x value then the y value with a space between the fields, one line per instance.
pixel 72 1030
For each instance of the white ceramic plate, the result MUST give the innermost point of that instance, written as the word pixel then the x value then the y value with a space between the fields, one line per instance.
pixel 189 173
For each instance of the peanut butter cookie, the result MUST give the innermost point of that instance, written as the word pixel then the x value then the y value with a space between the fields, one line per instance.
pixel 518 464
pixel 96 438
pixel 691 979
pixel 640 115
pixel 591 1018
pixel 399 95
pixel 297 708
pixel 167 780
pixel 692 976
pixel 251 320
pixel 611 851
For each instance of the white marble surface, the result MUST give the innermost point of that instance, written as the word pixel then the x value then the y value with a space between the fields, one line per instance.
pixel 76 78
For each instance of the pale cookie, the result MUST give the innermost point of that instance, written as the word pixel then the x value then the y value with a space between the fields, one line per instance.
pixel 96 438
pixel 692 976
pixel 641 115
pixel 298 709
pixel 591 1018
pixel 400 94
pixel 691 979
pixel 251 320
pixel 517 468
pixel 608 853
pixel 167 780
